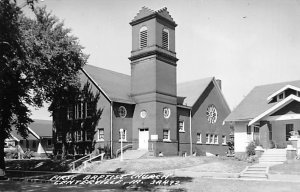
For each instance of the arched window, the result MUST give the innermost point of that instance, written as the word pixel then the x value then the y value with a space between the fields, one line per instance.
pixel 165 38
pixel 143 37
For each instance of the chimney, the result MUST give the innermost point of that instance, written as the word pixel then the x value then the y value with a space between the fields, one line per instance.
pixel 219 82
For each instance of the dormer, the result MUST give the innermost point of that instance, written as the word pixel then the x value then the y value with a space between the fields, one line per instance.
pixel 283 93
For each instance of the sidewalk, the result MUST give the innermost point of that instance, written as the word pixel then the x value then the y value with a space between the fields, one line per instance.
pixel 196 172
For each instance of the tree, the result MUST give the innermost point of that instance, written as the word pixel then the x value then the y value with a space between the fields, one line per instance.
pixel 38 59
pixel 66 124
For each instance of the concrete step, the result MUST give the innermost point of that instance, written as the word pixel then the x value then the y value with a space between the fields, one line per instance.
pixel 275 158
pixel 246 174
pixel 272 159
pixel 133 154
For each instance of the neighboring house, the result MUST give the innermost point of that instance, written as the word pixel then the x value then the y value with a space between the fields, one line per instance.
pixel 154 112
pixel 40 131
pixel 267 115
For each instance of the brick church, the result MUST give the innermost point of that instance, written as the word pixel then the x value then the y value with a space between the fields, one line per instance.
pixel 156 114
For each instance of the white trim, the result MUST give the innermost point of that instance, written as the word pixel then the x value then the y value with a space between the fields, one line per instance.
pixel 282 117
pixel 34 133
pixel 281 90
pixel 276 107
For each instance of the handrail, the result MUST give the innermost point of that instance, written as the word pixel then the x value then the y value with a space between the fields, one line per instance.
pixel 124 147
pixel 89 155
pixel 92 158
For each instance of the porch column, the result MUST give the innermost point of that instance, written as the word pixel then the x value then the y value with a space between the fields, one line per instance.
pixel 264 134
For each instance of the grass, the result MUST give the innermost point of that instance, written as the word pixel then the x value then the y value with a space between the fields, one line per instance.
pixel 37 165
pixel 290 167
pixel 205 164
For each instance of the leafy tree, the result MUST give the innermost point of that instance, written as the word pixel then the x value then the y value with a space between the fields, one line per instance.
pixel 38 59
pixel 61 123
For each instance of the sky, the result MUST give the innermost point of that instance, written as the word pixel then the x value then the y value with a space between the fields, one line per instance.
pixel 244 43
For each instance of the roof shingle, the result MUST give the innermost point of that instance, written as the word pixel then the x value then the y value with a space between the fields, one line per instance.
pixel 255 103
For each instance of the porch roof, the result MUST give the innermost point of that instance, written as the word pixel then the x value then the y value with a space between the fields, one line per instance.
pixel 256 103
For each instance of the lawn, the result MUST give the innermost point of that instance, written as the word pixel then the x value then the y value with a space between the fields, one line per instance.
pixel 202 163
pixel 290 167
pixel 38 165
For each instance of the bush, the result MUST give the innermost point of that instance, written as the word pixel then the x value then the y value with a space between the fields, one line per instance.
pixel 271 144
pixel 28 154
pixel 251 159
pixel 250 150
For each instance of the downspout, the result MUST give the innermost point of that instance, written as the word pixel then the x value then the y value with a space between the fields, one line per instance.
pixel 191 143
pixel 111 129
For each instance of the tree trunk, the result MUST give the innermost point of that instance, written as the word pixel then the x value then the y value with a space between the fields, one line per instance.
pixel 2 154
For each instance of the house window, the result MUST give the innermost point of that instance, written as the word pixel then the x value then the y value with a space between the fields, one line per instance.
pixel 68 137
pixel 27 144
pixel 181 126
pixel 59 137
pixel 223 139
pixel 89 136
pixel 216 139
pixel 79 111
pixel 166 135
pixel 207 138
pixel 78 135
pixel 211 139
pixel 248 130
pixel 256 129
pixel 165 38
pixel 33 144
pixel 289 128
pixel 101 134
pixel 143 37
pixel 270 133
pixel 49 142
pixel 89 109
pixel 70 112
pixel 280 96
pixel 199 139
pixel 123 135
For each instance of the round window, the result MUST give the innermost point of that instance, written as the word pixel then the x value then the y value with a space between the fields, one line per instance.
pixel 211 114
pixel 122 112
pixel 143 114
pixel 167 112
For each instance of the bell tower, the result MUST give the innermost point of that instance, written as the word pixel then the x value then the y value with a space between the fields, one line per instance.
pixel 153 80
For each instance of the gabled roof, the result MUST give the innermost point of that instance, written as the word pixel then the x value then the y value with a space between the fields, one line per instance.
pixel 275 108
pixel 42 128
pixel 255 103
pixel 145 13
pixel 282 90
pixel 192 90
pixel 116 86
pixel 36 130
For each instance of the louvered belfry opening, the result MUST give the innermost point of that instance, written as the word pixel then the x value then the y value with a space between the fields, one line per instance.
pixel 165 39
pixel 143 37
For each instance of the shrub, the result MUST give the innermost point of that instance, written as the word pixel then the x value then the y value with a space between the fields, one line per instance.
pixel 252 159
pixel 28 154
pixel 271 144
pixel 250 150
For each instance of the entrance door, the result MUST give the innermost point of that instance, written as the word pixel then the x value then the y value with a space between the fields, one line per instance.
pixel 143 138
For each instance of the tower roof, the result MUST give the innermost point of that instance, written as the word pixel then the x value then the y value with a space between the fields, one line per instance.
pixel 145 14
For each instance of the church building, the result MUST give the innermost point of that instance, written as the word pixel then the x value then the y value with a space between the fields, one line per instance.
pixel 148 110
